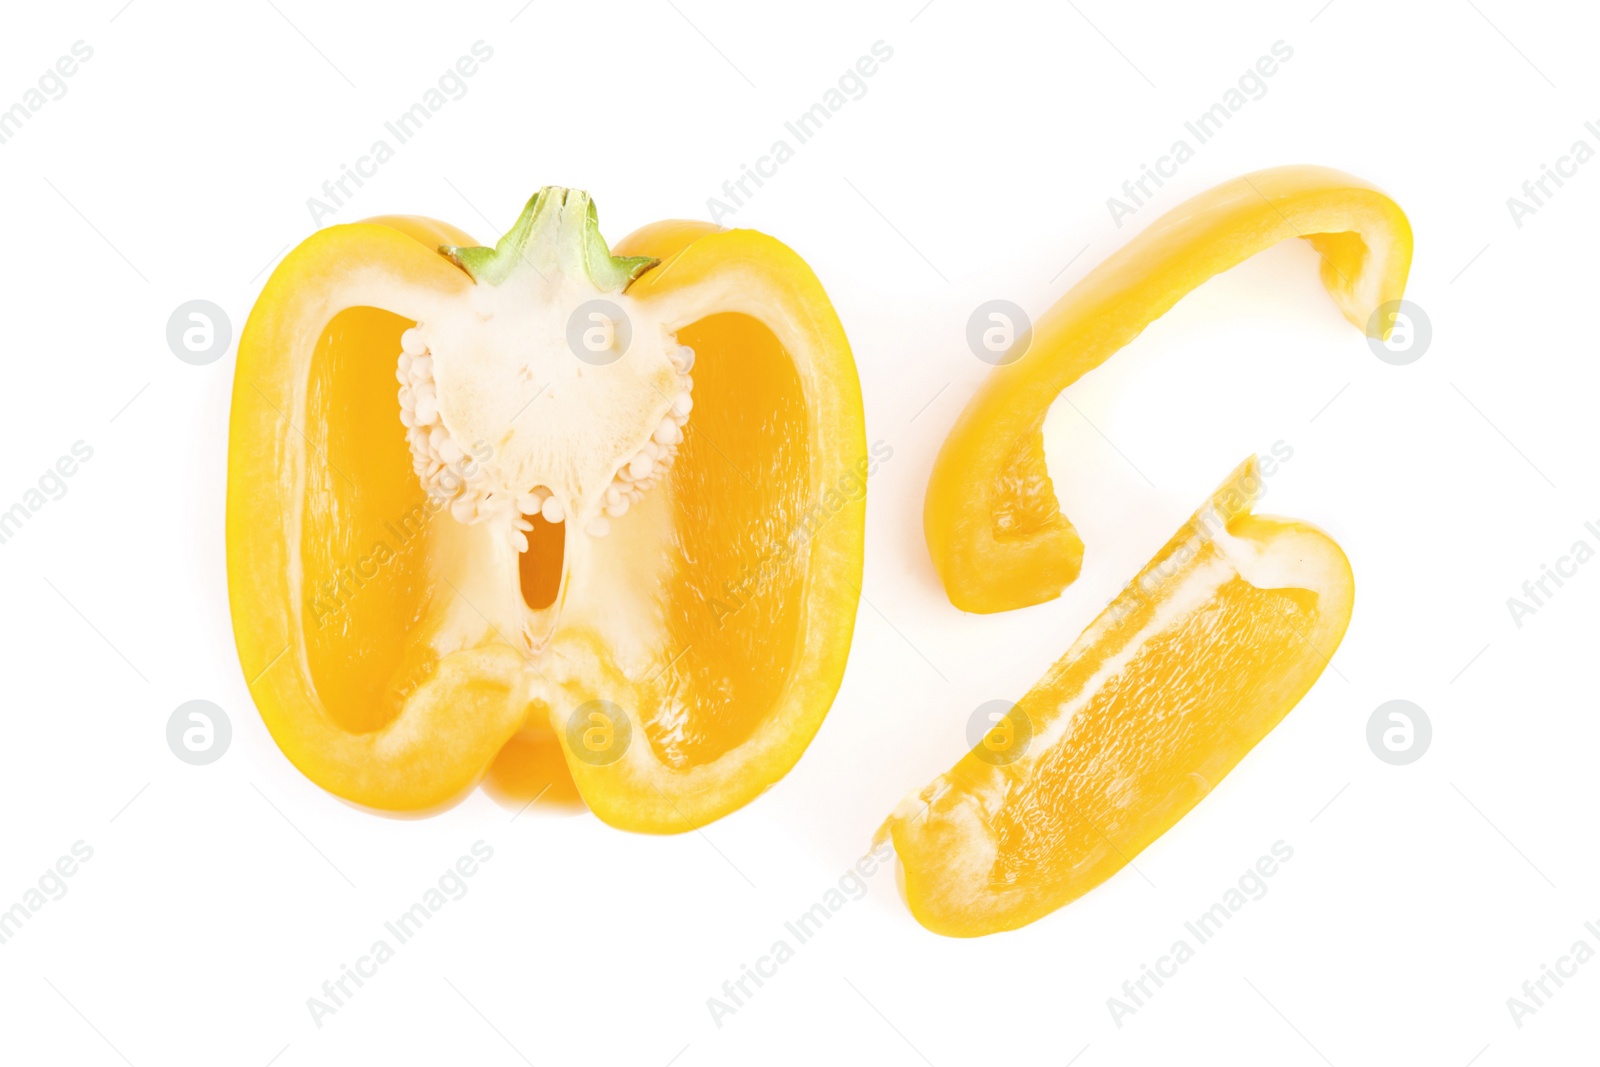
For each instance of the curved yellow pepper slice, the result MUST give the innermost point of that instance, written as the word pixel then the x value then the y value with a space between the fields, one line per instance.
pixel 997 538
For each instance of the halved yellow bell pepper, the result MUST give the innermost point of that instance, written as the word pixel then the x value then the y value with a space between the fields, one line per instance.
pixel 537 564
pixel 993 527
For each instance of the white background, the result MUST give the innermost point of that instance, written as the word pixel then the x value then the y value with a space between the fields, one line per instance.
pixel 978 164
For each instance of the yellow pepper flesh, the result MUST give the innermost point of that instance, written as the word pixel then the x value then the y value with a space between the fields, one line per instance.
pixel 997 538
pixel 389 710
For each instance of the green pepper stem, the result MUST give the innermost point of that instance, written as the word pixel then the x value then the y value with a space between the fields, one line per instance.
pixel 558 232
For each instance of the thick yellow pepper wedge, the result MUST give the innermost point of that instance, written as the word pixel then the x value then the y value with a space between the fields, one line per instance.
pixel 1162 695
pixel 401 653
pixel 997 538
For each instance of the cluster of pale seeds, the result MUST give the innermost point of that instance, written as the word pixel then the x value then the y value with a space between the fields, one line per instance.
pixel 433 452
